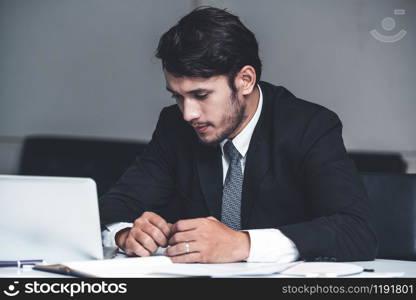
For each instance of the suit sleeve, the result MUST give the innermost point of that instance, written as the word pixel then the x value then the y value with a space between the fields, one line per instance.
pixel 340 229
pixel 147 185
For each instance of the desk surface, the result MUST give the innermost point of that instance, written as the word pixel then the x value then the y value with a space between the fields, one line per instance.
pixel 382 268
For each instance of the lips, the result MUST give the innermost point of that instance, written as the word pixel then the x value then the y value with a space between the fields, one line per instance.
pixel 201 129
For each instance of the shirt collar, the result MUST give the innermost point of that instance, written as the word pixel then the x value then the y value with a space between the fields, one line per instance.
pixel 242 140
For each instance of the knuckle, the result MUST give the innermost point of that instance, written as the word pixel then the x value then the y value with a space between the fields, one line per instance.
pixel 138 222
pixel 128 242
pixel 135 233
pixel 145 240
pixel 160 224
pixel 154 232
pixel 156 219
pixel 174 239
pixel 180 225
pixel 160 238
pixel 146 227
pixel 148 214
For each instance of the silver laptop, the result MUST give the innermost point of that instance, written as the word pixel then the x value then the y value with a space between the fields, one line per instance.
pixel 51 218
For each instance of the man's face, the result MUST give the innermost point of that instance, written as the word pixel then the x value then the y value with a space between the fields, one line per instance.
pixel 208 105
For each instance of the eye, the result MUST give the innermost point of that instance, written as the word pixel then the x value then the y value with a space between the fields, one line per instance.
pixel 201 97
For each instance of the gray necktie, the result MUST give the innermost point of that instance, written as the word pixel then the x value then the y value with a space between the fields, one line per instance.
pixel 231 196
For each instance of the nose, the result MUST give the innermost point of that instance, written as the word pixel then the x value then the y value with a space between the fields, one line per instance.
pixel 190 110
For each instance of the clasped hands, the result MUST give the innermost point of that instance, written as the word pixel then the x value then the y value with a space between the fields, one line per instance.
pixel 203 240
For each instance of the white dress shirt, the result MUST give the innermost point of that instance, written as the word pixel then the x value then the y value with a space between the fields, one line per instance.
pixel 266 245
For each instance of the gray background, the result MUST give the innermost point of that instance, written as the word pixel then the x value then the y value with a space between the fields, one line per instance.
pixel 86 67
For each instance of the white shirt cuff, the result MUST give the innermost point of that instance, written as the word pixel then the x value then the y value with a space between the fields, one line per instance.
pixel 271 245
pixel 109 234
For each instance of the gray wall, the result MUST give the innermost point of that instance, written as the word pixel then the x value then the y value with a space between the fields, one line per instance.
pixel 80 67
pixel 322 50
pixel 86 67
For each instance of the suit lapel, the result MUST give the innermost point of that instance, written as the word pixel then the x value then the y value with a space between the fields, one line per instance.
pixel 209 165
pixel 258 160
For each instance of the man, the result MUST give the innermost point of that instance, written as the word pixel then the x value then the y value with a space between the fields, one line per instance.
pixel 238 169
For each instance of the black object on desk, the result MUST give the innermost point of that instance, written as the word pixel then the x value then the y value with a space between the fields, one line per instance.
pixel 19 263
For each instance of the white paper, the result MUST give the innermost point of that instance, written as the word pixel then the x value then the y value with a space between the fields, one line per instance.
pixel 162 266
pixel 123 267
pixel 223 270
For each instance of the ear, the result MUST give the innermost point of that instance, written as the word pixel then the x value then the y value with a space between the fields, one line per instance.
pixel 245 80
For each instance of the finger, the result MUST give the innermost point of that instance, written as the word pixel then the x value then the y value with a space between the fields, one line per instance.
pixel 159 222
pixel 121 237
pixel 155 233
pixel 182 248
pixel 187 258
pixel 185 225
pixel 212 218
pixel 134 248
pixel 180 237
pixel 144 239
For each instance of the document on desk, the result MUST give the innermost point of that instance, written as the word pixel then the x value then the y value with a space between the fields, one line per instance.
pixel 161 266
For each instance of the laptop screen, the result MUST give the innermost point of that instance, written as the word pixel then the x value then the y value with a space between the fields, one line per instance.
pixel 51 218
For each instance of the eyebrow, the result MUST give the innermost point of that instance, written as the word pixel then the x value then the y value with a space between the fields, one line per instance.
pixel 196 91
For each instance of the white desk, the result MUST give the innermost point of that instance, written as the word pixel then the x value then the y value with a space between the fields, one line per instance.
pixel 382 268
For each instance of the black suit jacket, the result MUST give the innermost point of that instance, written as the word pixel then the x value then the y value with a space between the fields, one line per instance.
pixel 298 178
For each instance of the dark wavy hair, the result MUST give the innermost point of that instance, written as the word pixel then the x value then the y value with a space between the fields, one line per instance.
pixel 207 42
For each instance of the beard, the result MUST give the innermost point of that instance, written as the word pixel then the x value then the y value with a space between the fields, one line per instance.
pixel 234 117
